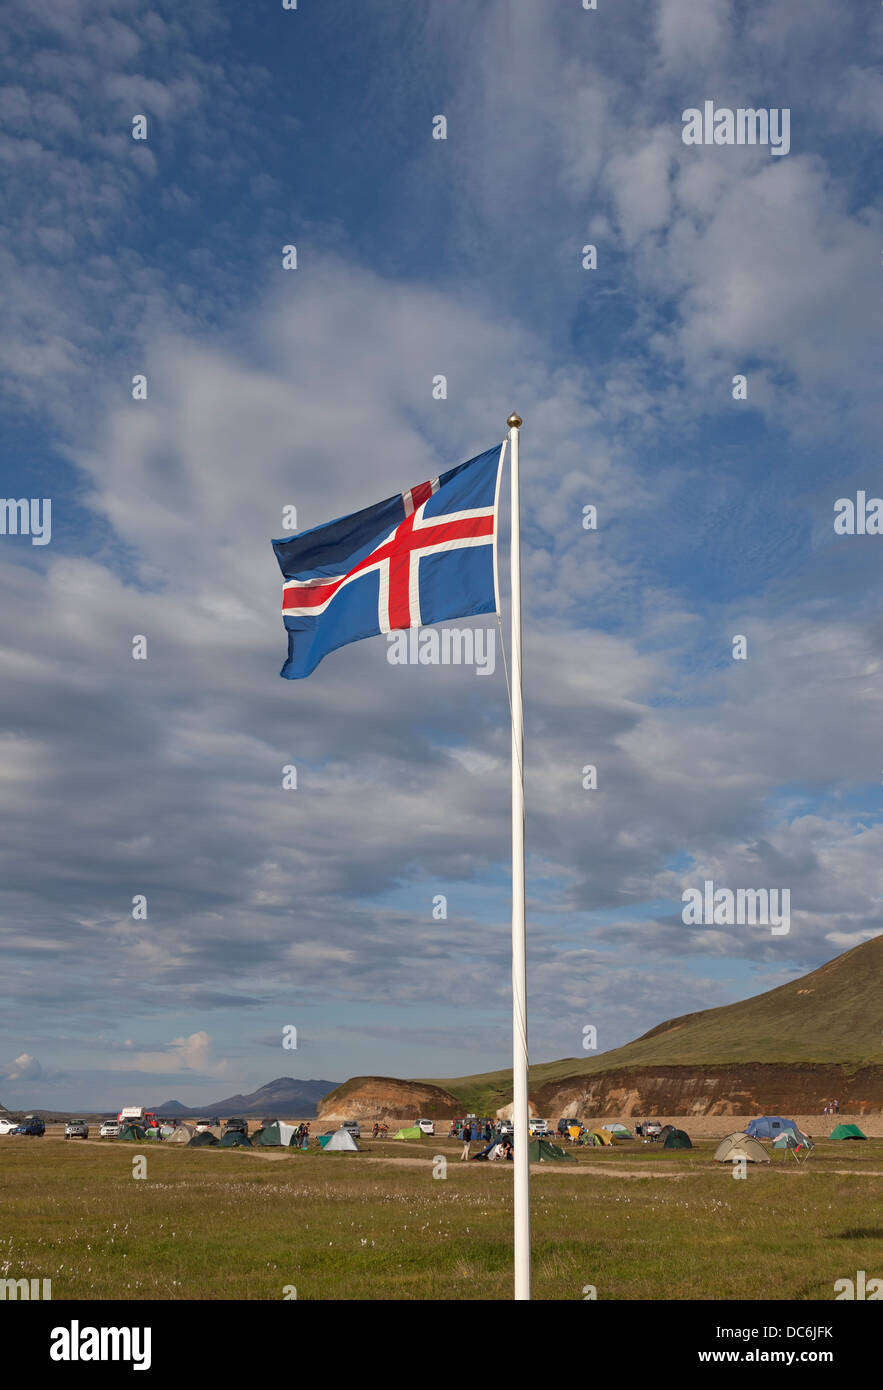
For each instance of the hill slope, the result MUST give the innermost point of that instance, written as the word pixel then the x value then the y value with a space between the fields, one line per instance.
pixel 820 1030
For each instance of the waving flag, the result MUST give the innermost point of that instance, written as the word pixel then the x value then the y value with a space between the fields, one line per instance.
pixel 420 557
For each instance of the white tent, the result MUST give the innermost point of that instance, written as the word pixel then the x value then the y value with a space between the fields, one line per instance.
pixel 737 1147
pixel 342 1139
pixel 182 1135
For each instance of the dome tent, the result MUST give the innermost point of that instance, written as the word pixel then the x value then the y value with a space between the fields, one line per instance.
pixel 182 1135
pixel 541 1151
pixel 341 1141
pixel 275 1135
pixel 846 1132
pixel 769 1126
pixel 411 1132
pixel 203 1139
pixel 738 1147
pixel 234 1139
pixel 619 1131
pixel 677 1139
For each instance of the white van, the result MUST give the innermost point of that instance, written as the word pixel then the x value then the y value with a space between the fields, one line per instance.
pixel 131 1115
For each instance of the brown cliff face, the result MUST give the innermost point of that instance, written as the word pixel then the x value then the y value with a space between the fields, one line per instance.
pixel 760 1088
pixel 388 1099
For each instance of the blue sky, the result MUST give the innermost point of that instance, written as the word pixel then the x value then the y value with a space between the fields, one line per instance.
pixel 314 387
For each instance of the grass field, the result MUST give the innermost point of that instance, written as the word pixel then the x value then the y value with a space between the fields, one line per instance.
pixel 636 1222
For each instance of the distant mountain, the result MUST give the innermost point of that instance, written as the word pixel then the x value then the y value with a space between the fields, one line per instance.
pixel 285 1096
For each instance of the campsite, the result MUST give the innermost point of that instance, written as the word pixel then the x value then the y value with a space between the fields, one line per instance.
pixel 633 1220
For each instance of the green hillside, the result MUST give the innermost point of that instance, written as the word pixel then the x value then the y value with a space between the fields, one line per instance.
pixel 833 1015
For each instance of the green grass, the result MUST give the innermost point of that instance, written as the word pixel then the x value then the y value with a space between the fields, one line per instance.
pixel 232 1225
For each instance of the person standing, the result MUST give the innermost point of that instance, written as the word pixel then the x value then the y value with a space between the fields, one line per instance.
pixel 466 1136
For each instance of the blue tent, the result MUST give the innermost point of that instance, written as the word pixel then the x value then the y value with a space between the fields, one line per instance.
pixel 770 1127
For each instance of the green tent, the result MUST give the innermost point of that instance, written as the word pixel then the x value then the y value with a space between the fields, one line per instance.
pixel 412 1132
pixel 134 1133
pixel 847 1132
pixel 541 1151
pixel 277 1135
pixel 619 1131
pixel 203 1139
pixel 677 1139
pixel 323 1138
pixel 234 1139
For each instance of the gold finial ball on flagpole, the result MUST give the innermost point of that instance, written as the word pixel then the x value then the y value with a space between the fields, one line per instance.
pixel 514 421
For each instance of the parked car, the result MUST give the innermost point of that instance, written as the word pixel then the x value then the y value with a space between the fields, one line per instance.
pixel 507 1129
pixel 352 1127
pixel 426 1126
pixel 207 1124
pixel 233 1126
pixel 564 1126
pixel 8 1125
pixel 539 1127
pixel 31 1124
pixel 76 1129
pixel 109 1130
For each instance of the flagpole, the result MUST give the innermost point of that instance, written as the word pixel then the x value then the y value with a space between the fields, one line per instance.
pixel 520 1116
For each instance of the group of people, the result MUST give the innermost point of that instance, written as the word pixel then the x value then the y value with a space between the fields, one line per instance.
pixel 497 1145
pixel 832 1107
pixel 380 1130
pixel 478 1129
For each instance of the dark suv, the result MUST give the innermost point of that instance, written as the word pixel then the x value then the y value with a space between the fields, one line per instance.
pixel 31 1124
pixel 240 1126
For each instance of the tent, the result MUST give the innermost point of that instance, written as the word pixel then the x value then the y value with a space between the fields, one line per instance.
pixel 677 1139
pixel 846 1132
pixel 234 1139
pixel 664 1133
pixel 603 1135
pixel 619 1131
pixel 768 1127
pixel 496 1143
pixel 341 1139
pixel 204 1139
pixel 275 1135
pixel 541 1151
pixel 412 1132
pixel 740 1146
pixel 134 1133
pixel 800 1145
pixel 591 1140
pixel 182 1135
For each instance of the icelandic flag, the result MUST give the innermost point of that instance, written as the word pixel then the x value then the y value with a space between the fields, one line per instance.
pixel 420 557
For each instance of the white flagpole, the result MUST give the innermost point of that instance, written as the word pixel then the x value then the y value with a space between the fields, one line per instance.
pixel 521 1199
